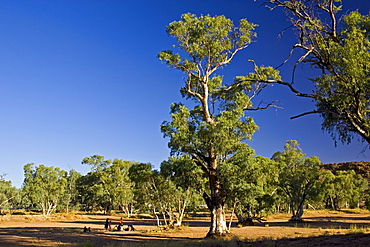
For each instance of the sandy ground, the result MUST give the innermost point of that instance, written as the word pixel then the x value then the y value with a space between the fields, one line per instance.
pixel 318 229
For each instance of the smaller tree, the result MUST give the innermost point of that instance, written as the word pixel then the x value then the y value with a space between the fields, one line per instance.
pixel 248 183
pixel 298 177
pixel 44 186
pixel 188 179
pixel 119 183
pixel 146 188
pixel 108 183
pixel 89 191
pixel 71 192
pixel 101 195
pixel 344 189
pixel 9 195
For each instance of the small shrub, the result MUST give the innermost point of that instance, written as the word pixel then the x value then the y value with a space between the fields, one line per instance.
pixel 308 226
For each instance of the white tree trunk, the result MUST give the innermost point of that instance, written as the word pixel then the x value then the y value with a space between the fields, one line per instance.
pixel 218 223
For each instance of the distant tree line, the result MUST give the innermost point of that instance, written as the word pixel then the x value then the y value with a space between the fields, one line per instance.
pixel 255 187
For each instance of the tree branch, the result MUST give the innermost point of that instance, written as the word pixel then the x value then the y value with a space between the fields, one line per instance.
pixel 272 104
pixel 312 112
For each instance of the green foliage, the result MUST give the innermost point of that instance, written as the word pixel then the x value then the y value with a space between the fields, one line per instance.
pixel 189 181
pixel 70 197
pixel 107 185
pixel 183 172
pixel 208 40
pixel 344 189
pixel 249 183
pixel 338 45
pixel 344 92
pixel 299 176
pixel 142 176
pixel 90 193
pixel 44 186
pixel 9 195
pixel 157 194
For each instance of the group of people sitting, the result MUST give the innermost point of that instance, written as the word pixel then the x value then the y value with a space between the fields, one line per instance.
pixel 119 227
pixel 87 229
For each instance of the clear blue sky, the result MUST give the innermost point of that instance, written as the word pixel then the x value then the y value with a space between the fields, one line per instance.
pixel 81 77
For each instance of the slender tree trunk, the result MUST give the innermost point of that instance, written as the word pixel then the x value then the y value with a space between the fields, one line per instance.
pixel 43 205
pixel 156 216
pixel 232 215
pixel 332 203
pixel 126 209
pixel 164 217
pixel 67 205
pixel 182 207
pixel 130 209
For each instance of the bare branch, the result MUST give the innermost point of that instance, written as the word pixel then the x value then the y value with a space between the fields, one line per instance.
pixel 312 112
pixel 309 51
pixel 286 60
pixel 297 93
pixel 259 107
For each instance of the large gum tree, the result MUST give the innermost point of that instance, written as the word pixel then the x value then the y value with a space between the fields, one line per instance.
pixel 215 128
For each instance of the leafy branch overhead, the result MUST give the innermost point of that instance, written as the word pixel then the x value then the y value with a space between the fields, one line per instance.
pixel 338 46
pixel 210 44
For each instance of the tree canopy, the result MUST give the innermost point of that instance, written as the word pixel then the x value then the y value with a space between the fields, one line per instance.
pixel 298 176
pixel 44 186
pixel 338 46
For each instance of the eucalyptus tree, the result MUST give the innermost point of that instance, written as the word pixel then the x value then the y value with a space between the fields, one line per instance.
pixel 97 193
pixel 149 192
pixel 216 126
pixel 109 183
pixel 90 191
pixel 121 185
pixel 250 183
pixel 141 175
pixel 153 192
pixel 338 46
pixel 189 181
pixel 344 189
pixel 299 177
pixel 44 186
pixel 71 193
pixel 9 195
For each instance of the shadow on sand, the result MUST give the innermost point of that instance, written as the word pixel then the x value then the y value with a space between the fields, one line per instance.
pixel 74 236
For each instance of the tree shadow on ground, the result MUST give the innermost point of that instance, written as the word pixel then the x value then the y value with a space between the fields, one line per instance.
pixel 49 236
pixel 56 236
pixel 353 239
pixel 328 222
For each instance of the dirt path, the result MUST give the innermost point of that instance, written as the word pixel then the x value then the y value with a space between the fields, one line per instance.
pixel 335 229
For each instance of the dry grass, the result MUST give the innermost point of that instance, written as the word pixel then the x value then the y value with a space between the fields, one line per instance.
pixel 320 228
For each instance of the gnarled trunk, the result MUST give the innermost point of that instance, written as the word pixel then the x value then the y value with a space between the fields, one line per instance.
pixel 297 214
pixel 215 204
pixel 218 222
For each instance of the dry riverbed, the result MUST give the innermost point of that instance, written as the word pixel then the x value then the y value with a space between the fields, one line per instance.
pixel 320 228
